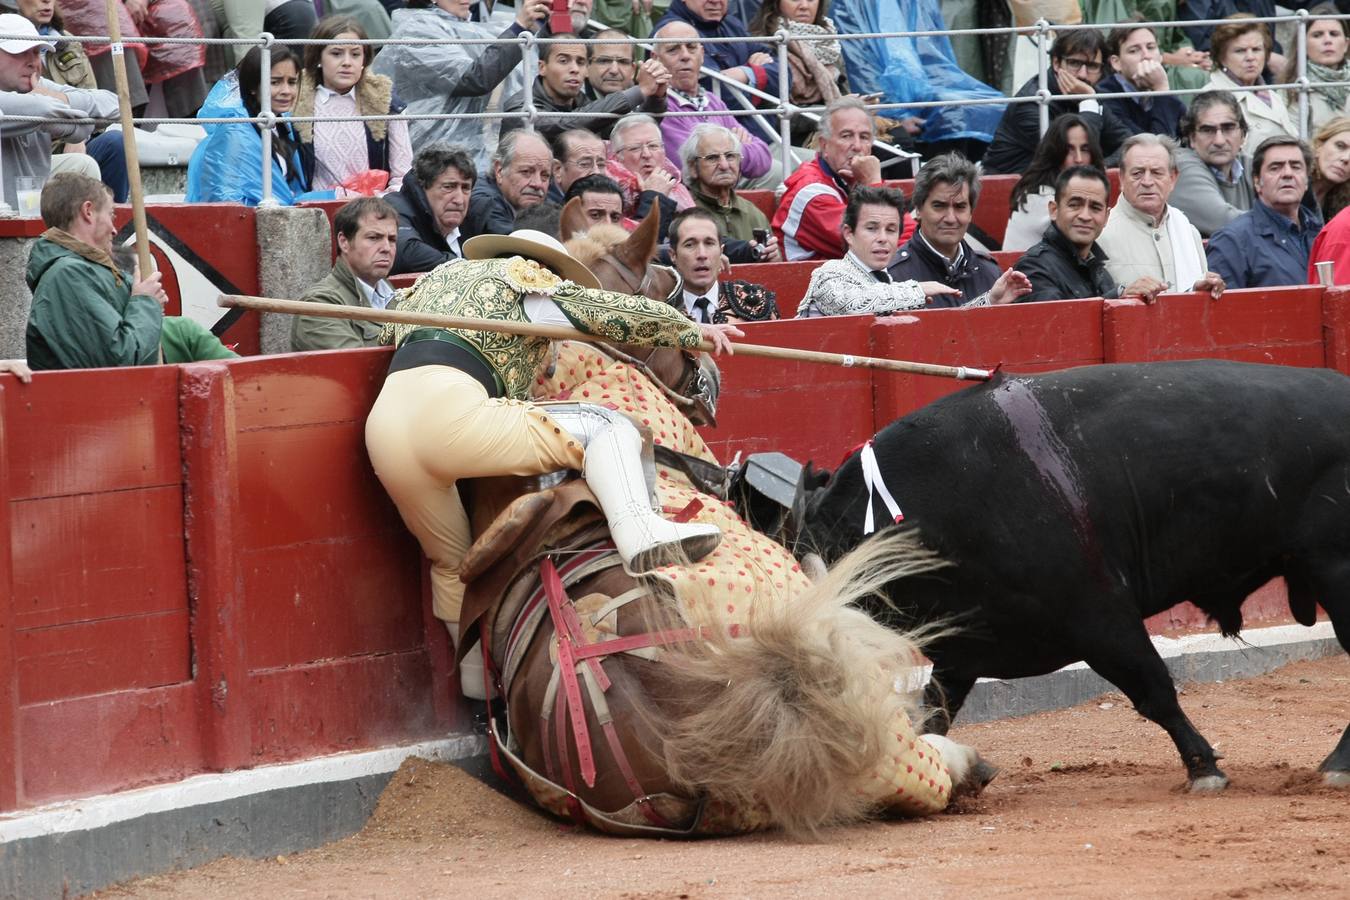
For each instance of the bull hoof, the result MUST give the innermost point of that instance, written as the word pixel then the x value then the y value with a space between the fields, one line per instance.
pixel 1208 784
pixel 1336 779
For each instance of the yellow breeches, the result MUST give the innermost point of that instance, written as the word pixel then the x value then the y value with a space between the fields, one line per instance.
pixel 434 425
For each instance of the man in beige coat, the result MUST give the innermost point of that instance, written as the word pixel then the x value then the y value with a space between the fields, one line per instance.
pixel 1145 238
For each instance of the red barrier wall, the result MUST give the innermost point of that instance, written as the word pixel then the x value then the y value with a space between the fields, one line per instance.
pixel 203 573
pixel 804 410
pixel 1023 337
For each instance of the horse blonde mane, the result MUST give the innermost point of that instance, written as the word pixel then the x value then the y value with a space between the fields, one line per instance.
pixel 791 714
pixel 595 242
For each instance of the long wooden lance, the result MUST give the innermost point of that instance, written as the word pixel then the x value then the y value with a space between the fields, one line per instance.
pixel 129 141
pixel 563 333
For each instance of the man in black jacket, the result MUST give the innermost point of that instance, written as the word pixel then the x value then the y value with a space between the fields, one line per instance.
pixel 431 206
pixel 1076 66
pixel 1067 264
pixel 945 193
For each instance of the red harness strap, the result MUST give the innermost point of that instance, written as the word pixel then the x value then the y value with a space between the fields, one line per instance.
pixel 573 650
pixel 569 698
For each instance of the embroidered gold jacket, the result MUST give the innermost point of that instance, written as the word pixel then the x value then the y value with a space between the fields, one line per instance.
pixel 495 289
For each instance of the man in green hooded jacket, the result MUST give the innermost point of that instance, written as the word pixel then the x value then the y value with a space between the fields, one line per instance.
pixel 86 311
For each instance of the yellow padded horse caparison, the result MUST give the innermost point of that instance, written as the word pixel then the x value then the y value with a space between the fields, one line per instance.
pixel 746 569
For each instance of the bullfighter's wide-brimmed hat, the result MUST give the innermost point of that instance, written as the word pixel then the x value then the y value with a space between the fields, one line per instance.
pixel 533 245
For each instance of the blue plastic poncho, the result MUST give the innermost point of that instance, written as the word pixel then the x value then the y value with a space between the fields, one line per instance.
pixel 226 167
pixel 914 69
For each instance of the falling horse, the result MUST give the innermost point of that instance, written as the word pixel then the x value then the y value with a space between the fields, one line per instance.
pixel 703 699
pixel 1073 504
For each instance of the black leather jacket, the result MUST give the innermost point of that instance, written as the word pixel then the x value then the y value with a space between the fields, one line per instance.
pixel 1057 272
pixel 973 275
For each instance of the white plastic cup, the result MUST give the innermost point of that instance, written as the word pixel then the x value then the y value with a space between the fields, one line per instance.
pixel 28 192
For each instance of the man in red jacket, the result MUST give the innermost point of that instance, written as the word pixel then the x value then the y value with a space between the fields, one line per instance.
pixel 811 212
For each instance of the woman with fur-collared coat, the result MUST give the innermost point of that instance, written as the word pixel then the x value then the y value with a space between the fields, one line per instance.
pixel 337 82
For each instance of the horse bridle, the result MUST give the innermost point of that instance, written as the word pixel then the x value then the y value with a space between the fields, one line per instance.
pixel 638 283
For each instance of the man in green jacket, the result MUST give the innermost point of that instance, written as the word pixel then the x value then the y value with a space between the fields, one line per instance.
pixel 87 313
pixel 367 236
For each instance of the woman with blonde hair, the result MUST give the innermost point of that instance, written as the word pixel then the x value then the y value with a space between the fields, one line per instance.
pixel 1329 180
pixel 1241 49
pixel 336 83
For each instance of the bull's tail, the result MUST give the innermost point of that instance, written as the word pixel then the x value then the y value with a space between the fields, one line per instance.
pixel 792 715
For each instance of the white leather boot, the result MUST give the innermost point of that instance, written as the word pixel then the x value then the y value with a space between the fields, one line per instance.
pixel 613 469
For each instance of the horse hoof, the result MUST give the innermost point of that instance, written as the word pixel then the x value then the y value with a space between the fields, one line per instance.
pixel 1208 784
pixel 1336 779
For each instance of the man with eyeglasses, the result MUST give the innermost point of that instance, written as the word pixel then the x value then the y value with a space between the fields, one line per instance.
pixel 1213 185
pixel 610 68
pixel 1075 68
pixel 712 164
pixel 638 162
pixel 558 89
pixel 684 60
pixel 577 152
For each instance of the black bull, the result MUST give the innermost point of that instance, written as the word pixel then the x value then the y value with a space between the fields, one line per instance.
pixel 1076 503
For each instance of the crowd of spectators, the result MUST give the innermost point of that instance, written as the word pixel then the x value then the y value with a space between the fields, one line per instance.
pixel 1132 190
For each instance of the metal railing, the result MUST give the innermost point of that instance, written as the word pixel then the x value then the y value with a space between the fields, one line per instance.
pixel 782 106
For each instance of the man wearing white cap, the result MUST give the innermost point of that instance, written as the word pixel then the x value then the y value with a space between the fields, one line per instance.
pixel 26 147
pixel 453 405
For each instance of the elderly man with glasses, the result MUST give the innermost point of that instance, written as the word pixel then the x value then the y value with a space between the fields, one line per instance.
pixel 712 165
pixel 638 163
pixel 1075 68
pixel 1214 184
pixel 577 153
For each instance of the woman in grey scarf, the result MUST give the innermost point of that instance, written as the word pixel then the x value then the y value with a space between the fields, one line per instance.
pixel 1327 46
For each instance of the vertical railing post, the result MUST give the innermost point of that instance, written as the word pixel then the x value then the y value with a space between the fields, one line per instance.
pixel 529 61
pixel 268 123
pixel 785 108
pixel 1043 72
pixel 1301 64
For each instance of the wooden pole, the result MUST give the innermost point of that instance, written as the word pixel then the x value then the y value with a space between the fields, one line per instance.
pixel 562 333
pixel 147 264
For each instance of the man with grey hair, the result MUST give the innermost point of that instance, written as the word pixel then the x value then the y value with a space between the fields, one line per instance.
pixel 712 166
pixel 521 168
pixel 810 213
pixel 1214 182
pixel 643 171
pixel 1147 238
pixel 431 207
pixel 945 193
pixel 577 153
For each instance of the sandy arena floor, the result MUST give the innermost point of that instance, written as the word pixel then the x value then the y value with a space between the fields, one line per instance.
pixel 1089 804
